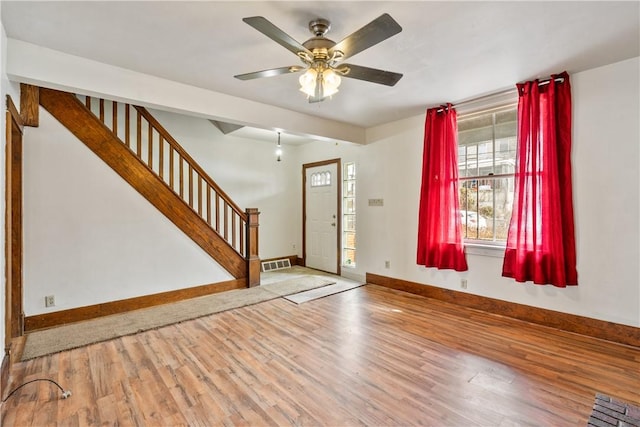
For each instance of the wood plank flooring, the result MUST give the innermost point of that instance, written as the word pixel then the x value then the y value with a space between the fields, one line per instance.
pixel 368 356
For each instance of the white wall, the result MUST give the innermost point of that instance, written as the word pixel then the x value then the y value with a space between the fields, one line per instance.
pixel 248 172
pixel 89 237
pixel 607 184
pixel 605 158
pixel 115 244
pixel 606 181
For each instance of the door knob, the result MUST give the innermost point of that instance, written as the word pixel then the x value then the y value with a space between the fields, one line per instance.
pixel 333 224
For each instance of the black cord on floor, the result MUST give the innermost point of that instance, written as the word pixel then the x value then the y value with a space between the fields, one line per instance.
pixel 65 393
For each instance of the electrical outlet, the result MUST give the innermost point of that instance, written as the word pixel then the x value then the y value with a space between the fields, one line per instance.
pixel 463 283
pixel 49 301
pixel 387 264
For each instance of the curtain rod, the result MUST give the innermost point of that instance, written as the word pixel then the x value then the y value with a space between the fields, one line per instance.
pixel 498 94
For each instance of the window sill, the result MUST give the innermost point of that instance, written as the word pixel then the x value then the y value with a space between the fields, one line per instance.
pixel 496 251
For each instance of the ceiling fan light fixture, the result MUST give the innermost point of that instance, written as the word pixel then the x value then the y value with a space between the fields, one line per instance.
pixel 308 82
pixel 322 57
pixel 330 82
pixel 327 79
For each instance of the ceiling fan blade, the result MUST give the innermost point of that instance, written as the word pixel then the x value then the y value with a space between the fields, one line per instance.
pixel 373 75
pixel 263 25
pixel 371 34
pixel 269 73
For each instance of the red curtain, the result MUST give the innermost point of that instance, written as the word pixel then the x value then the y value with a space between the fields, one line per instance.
pixel 541 241
pixel 439 223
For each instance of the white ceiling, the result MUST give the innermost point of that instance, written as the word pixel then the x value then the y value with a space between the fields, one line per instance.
pixel 447 51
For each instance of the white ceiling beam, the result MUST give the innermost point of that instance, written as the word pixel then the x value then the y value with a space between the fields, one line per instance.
pixel 37 65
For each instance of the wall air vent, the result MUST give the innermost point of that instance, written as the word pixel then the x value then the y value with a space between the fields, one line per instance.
pixel 278 264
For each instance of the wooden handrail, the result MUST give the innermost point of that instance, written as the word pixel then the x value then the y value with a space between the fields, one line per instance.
pixel 228 220
pixel 176 146
pixel 103 140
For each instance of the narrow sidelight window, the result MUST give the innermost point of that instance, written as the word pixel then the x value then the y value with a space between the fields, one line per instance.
pixel 349 215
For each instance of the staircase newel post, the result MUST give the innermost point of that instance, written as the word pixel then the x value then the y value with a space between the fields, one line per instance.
pixel 253 260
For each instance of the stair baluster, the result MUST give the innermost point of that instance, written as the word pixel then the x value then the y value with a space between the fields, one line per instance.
pixel 188 180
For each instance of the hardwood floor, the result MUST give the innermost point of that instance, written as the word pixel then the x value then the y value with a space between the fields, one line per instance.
pixel 368 356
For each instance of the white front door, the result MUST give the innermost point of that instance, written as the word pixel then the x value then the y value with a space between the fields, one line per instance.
pixel 321 214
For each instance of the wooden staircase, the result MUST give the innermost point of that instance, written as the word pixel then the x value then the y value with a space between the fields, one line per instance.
pixel 132 142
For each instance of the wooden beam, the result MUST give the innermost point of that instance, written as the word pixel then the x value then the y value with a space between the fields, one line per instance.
pixel 14 114
pixel 30 104
pixel 13 224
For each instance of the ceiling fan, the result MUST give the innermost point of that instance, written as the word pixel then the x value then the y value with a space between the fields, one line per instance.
pixel 322 57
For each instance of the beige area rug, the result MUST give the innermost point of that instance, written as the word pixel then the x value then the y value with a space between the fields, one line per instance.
pixel 76 335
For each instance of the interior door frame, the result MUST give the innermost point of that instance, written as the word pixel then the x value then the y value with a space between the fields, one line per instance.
pixel 306 166
pixel 14 315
